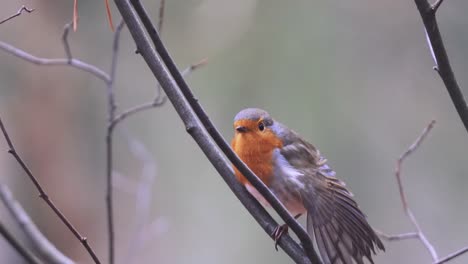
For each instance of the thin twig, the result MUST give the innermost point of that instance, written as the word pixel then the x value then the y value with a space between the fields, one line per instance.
pixel 217 137
pixel 45 197
pixel 18 13
pixel 443 67
pixel 46 249
pixel 66 45
pixel 403 156
pixel 202 138
pixel 436 5
pixel 452 255
pixel 50 62
pixel 159 98
pixel 111 108
pixel 109 15
pixel 75 15
pixel 404 202
pixel 23 251
pixel 397 237
pixel 162 5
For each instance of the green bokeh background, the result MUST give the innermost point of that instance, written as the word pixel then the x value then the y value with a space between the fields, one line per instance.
pixel 353 77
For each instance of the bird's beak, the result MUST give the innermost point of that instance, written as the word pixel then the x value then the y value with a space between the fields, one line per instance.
pixel 241 129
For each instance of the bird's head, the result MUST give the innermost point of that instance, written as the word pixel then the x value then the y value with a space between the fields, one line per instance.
pixel 256 124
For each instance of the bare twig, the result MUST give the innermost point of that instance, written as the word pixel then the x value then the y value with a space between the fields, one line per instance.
pixel 436 5
pixel 46 249
pixel 403 236
pixel 24 252
pixel 203 139
pixel 75 15
pixel 214 133
pixel 443 67
pixel 159 98
pixel 419 234
pixel 18 13
pixel 45 197
pixel 49 62
pixel 404 202
pixel 162 5
pixel 66 45
pixel 109 15
pixel 403 156
pixel 111 108
pixel 452 255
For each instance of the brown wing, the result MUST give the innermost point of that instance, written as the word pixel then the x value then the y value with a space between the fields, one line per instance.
pixel 341 230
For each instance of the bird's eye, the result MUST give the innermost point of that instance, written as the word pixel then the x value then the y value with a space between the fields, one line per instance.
pixel 261 126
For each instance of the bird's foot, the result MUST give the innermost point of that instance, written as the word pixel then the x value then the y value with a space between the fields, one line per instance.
pixel 280 231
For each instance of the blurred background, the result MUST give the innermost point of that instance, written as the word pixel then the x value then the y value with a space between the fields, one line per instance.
pixel 353 77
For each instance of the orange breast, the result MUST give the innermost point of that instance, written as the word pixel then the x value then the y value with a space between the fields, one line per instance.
pixel 256 150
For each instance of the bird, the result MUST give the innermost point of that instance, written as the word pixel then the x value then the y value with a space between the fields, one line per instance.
pixel 299 176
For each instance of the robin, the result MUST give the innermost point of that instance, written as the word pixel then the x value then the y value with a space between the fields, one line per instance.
pixel 300 178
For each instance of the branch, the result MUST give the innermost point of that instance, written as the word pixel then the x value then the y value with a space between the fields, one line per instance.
pixel 442 63
pixel 24 252
pixel 52 62
pixel 162 6
pixel 45 197
pixel 46 249
pixel 158 100
pixel 398 237
pixel 111 108
pixel 404 202
pixel 66 46
pixel 419 234
pixel 223 145
pixel 202 138
pixel 18 13
pixel 452 255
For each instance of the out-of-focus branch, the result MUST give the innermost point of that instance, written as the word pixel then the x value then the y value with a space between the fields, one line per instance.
pixel 18 13
pixel 203 139
pixel 419 234
pixel 398 236
pixel 24 252
pixel 452 255
pixel 162 7
pixel 111 108
pixel 402 158
pixel 44 195
pixel 75 63
pixel 46 249
pixel 66 45
pixel 442 63
pixel 158 100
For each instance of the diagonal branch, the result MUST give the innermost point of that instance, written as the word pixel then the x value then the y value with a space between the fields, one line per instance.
pixel 452 255
pixel 46 249
pixel 24 252
pixel 18 13
pixel 45 197
pixel 214 133
pixel 194 127
pixel 442 63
